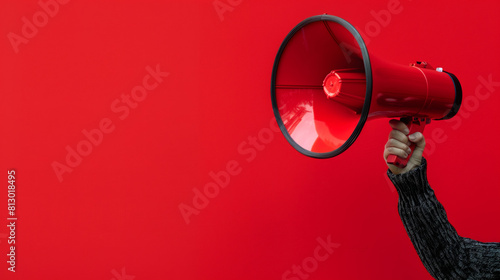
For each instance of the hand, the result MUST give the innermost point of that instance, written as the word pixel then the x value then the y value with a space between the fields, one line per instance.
pixel 398 144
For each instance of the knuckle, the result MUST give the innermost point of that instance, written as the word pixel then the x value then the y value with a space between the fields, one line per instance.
pixel 392 142
pixel 397 152
pixel 423 141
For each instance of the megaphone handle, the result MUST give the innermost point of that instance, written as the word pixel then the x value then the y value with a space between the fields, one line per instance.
pixel 414 125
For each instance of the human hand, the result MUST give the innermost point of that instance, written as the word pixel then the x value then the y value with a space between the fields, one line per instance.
pixel 398 144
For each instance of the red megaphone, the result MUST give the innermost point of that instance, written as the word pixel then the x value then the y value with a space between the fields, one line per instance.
pixel 325 86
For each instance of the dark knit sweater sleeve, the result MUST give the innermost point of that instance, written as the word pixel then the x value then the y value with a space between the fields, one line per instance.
pixel 444 253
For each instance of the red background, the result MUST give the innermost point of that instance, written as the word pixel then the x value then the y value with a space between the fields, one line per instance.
pixel 116 215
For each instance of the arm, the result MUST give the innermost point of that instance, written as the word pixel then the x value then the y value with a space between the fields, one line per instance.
pixel 444 253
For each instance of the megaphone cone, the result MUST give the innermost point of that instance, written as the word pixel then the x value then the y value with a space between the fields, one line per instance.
pixel 325 86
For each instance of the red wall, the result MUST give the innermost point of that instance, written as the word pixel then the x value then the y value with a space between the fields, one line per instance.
pixel 115 213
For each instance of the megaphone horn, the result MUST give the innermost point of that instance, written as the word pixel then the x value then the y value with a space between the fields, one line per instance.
pixel 325 86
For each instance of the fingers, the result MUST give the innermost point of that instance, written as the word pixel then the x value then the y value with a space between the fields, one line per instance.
pixel 419 140
pixel 396 147
pixel 400 132
pixel 400 126
pixel 399 143
pixel 395 144
pixel 399 136
pixel 395 151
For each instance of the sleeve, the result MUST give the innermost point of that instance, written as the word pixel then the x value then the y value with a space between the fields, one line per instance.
pixel 444 253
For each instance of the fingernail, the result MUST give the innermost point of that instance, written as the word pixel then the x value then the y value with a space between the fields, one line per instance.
pixel 412 137
pixel 408 151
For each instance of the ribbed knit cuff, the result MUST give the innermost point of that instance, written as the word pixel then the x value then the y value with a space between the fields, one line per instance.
pixel 412 186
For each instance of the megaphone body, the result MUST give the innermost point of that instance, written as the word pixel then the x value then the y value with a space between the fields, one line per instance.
pixel 325 86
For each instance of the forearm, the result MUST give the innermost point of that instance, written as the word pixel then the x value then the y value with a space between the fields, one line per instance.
pixel 444 253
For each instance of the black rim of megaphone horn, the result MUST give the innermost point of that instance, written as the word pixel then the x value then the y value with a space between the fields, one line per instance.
pixel 458 97
pixel 369 83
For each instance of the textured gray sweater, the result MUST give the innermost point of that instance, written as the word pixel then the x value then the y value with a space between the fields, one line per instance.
pixel 444 253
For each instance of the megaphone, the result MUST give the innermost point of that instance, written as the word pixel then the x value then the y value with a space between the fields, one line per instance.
pixel 325 86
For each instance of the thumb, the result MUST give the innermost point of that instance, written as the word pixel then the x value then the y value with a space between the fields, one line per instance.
pixel 419 140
